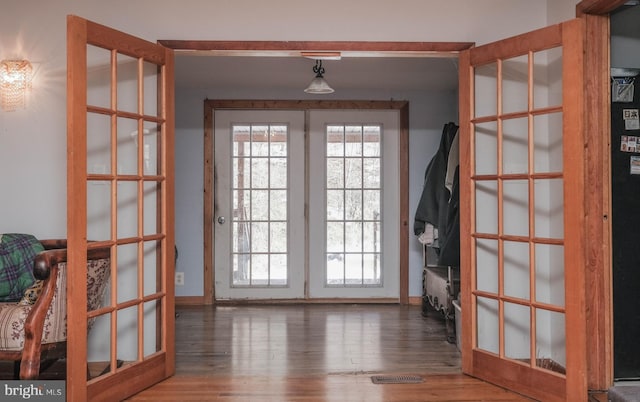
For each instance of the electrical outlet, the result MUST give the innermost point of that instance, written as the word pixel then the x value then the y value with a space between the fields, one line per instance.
pixel 179 278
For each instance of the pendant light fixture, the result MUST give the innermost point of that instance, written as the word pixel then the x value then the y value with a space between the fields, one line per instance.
pixel 319 85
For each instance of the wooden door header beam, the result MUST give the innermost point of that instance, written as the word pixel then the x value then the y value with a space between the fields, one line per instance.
pixel 295 48
pixel 598 7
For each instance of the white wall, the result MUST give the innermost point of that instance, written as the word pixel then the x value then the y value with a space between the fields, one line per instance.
pixel 33 141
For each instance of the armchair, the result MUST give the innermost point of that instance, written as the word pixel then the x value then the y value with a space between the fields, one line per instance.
pixel 31 333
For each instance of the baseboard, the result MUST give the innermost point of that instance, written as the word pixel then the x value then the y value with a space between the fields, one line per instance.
pixel 189 300
pixel 199 300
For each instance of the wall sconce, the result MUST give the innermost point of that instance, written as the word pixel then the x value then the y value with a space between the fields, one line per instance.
pixel 15 83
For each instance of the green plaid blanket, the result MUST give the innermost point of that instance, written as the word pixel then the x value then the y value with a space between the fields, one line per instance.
pixel 17 252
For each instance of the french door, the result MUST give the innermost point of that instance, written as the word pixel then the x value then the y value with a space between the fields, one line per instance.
pixel 259 207
pixel 120 195
pixel 320 209
pixel 354 204
pixel 522 213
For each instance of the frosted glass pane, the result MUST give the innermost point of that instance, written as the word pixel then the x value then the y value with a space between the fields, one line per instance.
pixel 487 265
pixel 547 78
pixel 488 327
pixel 150 82
pixel 127 147
pixel 516 207
pixel 516 269
pixel 547 138
pixel 517 332
pixel 151 203
pixel 515 84
pixel 550 341
pixel 127 209
pixel 127 266
pixel 127 83
pixel 486 90
pixel 549 203
pixel 99 210
pixel 515 146
pixel 550 274
pixel 486 148
pixel 98 76
pixel 487 207
pixel 152 272
pixel 98 144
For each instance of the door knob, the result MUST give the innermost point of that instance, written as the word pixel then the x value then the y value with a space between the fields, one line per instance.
pixel 221 220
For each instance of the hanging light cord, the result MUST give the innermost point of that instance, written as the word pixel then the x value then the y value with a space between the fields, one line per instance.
pixel 318 69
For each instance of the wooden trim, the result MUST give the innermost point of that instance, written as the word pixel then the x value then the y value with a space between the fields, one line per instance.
pixel 404 203
pixel 167 99
pixel 296 47
pixel 574 211
pixel 537 40
pixel 136 378
pixel 208 194
pixel 467 204
pixel 415 300
pixel 109 38
pixel 597 117
pixel 303 104
pixel 76 208
pixel 402 106
pixel 244 302
pixel 598 7
pixel 191 300
pixel 544 386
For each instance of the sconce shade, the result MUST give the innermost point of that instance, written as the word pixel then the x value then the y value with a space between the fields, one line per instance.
pixel 15 83
pixel 318 84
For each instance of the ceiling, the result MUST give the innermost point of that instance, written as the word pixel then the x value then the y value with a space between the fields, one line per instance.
pixel 294 73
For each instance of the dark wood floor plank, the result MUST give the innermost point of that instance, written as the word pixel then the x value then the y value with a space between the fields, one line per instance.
pixel 315 353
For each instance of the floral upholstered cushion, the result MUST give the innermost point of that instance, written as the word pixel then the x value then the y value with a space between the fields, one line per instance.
pixel 13 316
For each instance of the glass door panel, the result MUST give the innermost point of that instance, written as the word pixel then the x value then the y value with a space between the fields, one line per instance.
pixel 120 198
pixel 259 241
pixel 350 200
pixel 516 181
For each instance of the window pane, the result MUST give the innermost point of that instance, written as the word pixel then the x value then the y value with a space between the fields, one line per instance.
pixel 515 84
pixel 351 170
pixel 486 143
pixel 486 90
pixel 260 212
pixel 517 332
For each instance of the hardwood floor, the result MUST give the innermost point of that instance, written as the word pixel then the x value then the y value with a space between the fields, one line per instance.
pixel 315 353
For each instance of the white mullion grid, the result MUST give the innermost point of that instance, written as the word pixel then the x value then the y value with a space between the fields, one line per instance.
pixel 362 205
pixel 268 205
pixel 250 217
pixel 344 205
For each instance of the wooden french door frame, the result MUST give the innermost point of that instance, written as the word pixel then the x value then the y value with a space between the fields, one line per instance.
pixel 497 368
pixel 212 105
pixel 148 367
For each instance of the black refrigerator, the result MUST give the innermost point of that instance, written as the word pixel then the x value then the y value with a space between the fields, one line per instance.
pixel 625 199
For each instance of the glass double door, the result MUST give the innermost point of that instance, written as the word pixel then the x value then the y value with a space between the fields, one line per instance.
pixel 302 214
